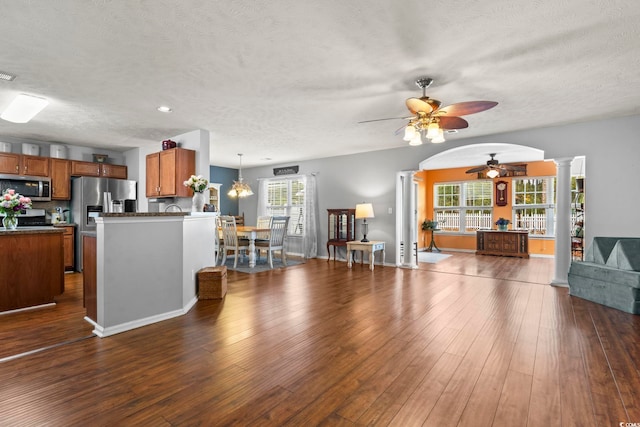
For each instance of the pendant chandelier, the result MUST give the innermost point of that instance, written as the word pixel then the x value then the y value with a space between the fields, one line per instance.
pixel 239 188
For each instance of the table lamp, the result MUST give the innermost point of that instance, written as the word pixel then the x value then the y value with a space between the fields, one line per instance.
pixel 364 211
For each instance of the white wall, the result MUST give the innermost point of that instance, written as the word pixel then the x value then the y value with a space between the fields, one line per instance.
pixel 611 147
pixel 197 140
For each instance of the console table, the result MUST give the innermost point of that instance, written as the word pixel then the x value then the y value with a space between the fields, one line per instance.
pixel 371 247
pixel 502 243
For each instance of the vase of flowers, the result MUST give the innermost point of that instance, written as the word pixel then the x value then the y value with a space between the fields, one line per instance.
pixel 502 224
pixel 11 204
pixel 198 184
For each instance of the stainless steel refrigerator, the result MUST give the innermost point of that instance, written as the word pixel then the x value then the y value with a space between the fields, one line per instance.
pixel 92 196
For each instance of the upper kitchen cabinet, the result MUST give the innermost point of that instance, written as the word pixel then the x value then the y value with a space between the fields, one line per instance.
pixel 60 179
pixel 20 164
pixel 103 170
pixel 167 170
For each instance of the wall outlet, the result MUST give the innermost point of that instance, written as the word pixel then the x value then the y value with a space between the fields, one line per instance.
pixel 390 211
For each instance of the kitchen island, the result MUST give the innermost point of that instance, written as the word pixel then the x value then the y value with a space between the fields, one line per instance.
pixel 31 267
pixel 145 267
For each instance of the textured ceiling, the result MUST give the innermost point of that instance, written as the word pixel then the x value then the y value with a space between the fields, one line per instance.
pixel 288 81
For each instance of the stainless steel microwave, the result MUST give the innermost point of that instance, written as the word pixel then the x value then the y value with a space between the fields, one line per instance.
pixel 37 188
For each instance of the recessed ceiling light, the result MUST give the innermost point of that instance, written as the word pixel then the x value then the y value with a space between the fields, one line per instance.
pixel 7 76
pixel 164 109
pixel 451 131
pixel 23 108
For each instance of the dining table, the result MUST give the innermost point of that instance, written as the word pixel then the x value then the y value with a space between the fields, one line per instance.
pixel 251 232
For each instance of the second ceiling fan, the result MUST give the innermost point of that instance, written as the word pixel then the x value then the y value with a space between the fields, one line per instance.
pixel 431 120
pixel 494 169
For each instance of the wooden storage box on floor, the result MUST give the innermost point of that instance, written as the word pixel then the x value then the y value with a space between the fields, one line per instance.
pixel 212 282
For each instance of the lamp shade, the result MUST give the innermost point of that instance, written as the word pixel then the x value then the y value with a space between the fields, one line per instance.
pixel 364 210
pixel 493 173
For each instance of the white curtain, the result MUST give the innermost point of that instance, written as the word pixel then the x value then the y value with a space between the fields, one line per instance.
pixel 311 218
pixel 308 245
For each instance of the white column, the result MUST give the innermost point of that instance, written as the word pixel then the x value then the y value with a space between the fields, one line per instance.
pixel 563 221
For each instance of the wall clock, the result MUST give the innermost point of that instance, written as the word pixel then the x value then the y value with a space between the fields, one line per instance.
pixel 501 193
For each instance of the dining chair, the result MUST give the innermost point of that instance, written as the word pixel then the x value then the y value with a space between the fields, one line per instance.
pixel 230 240
pixel 219 242
pixel 264 221
pixel 277 239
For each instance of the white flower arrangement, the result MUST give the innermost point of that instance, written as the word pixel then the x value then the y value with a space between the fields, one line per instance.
pixel 197 183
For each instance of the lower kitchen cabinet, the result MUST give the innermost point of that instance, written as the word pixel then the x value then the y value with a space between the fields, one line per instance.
pixel 68 237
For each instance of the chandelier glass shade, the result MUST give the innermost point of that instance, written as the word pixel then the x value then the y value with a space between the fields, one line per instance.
pixel 240 188
pixel 423 126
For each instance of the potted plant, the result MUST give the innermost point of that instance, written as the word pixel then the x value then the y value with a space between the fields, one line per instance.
pixel 502 224
pixel 427 225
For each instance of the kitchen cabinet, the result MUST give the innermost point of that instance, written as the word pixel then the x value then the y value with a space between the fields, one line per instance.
pixel 60 179
pixel 167 170
pixel 502 243
pixel 20 164
pixel 90 276
pixel 68 239
pixel 33 279
pixel 104 170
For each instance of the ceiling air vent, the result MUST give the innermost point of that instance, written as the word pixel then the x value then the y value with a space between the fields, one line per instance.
pixel 7 76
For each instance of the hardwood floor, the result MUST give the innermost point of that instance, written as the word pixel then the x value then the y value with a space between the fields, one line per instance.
pixel 469 341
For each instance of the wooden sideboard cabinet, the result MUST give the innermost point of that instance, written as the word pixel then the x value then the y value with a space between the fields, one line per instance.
pixel 503 243
pixel 341 226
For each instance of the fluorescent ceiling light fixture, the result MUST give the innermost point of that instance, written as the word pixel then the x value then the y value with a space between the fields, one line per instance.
pixel 23 108
pixel 164 109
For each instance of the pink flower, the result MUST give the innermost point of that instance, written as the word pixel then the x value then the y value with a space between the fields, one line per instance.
pixel 11 191
pixel 7 197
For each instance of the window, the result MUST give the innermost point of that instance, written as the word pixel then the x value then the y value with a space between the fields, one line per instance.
pixel 286 197
pixel 465 206
pixel 533 205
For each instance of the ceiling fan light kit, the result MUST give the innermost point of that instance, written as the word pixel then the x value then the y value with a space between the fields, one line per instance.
pixel 494 169
pixel 431 121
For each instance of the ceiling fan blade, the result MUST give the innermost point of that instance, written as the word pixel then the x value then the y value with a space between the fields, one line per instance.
pixel 465 108
pixel 476 170
pixel 516 168
pixel 400 129
pixel 388 118
pixel 419 105
pixel 449 122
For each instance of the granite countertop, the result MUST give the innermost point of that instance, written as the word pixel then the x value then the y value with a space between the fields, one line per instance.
pixel 31 230
pixel 141 214
pixel 65 224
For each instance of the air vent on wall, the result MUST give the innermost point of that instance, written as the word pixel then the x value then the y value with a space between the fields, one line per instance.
pixel 7 76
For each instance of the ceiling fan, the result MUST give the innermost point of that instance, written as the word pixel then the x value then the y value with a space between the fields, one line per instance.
pixel 493 168
pixel 430 119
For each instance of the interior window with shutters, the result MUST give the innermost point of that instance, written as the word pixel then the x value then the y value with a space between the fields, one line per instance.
pixel 533 205
pixel 286 197
pixel 463 206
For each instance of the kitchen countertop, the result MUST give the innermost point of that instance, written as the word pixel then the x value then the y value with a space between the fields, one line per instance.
pixel 31 230
pixel 141 214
